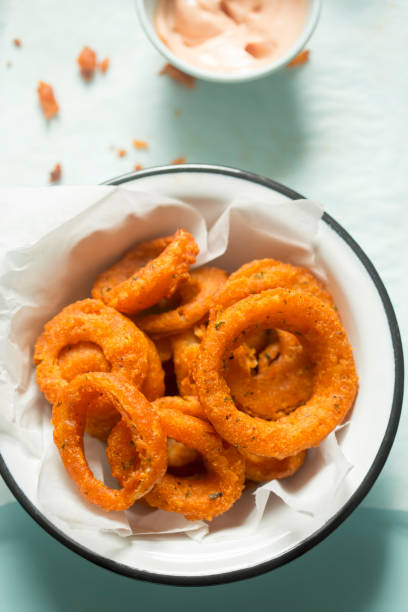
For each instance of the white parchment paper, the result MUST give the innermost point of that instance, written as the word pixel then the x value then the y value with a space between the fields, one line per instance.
pixel 41 278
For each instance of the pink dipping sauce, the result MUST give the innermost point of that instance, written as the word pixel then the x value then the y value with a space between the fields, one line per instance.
pixel 230 35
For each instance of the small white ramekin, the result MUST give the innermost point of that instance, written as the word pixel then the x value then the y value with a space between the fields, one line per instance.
pixel 146 9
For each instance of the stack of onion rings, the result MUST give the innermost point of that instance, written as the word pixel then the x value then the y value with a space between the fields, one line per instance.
pixel 146 434
pixel 145 285
pixel 335 384
pixel 269 376
pixel 262 274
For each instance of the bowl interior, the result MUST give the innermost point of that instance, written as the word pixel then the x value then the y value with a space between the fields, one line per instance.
pixel 365 442
pixel 146 10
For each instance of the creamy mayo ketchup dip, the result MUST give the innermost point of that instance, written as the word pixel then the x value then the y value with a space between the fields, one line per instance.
pixel 230 35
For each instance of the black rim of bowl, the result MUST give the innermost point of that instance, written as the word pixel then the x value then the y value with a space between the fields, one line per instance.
pixel 350 505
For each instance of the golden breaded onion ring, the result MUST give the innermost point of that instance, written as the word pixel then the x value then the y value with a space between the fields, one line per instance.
pixel 123 345
pixel 322 335
pixel 202 496
pixel 263 274
pixel 196 297
pixel 212 493
pixel 280 384
pixel 86 357
pixel 145 285
pixel 147 437
pixel 130 263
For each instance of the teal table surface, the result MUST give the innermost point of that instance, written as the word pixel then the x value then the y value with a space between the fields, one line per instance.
pixel 362 566
pixel 335 130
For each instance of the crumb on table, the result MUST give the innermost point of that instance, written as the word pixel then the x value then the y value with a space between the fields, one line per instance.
pixel 87 63
pixel 55 175
pixel 17 42
pixel 104 65
pixel 178 160
pixel 47 100
pixel 122 152
pixel 140 144
pixel 179 76
pixel 301 58
pixel 137 167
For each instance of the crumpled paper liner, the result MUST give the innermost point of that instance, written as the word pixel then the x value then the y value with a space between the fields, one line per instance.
pixel 59 269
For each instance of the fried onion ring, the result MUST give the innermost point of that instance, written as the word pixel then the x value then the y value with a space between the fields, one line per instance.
pixel 263 469
pixel 132 285
pixel 196 297
pixel 147 436
pixel 283 380
pixel 123 345
pixel 320 332
pixel 201 496
pixel 131 262
pixel 210 494
pixel 87 357
pixel 262 274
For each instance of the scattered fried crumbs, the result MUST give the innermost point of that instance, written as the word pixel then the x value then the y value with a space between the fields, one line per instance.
pixel 55 175
pixel 104 65
pixel 178 160
pixel 9 64
pixel 87 63
pixel 177 112
pixel 17 42
pixel 176 74
pixel 47 100
pixel 140 144
pixel 300 59
pixel 122 152
pixel 137 167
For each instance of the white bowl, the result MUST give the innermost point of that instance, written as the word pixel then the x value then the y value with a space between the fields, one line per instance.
pixel 146 8
pixel 373 331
